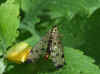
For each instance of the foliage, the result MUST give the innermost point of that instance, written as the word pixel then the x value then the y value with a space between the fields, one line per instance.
pixel 29 20
pixel 76 63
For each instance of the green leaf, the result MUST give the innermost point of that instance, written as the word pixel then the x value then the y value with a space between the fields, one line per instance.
pixel 92 36
pixel 9 23
pixel 73 32
pixel 77 63
pixel 58 8
pixel 70 7
pixel 59 12
pixel 28 29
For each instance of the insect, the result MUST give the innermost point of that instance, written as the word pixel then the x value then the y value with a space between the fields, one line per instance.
pixel 55 49
pixel 52 46
pixel 49 46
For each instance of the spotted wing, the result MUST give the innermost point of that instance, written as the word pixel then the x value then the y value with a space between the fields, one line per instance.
pixel 39 49
pixel 55 49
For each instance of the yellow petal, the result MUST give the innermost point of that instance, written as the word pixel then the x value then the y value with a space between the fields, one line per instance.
pixel 19 52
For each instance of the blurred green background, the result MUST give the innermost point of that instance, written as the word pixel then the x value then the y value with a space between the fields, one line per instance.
pixel 78 22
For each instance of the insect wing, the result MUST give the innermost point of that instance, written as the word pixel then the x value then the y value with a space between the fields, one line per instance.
pixel 55 49
pixel 39 49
